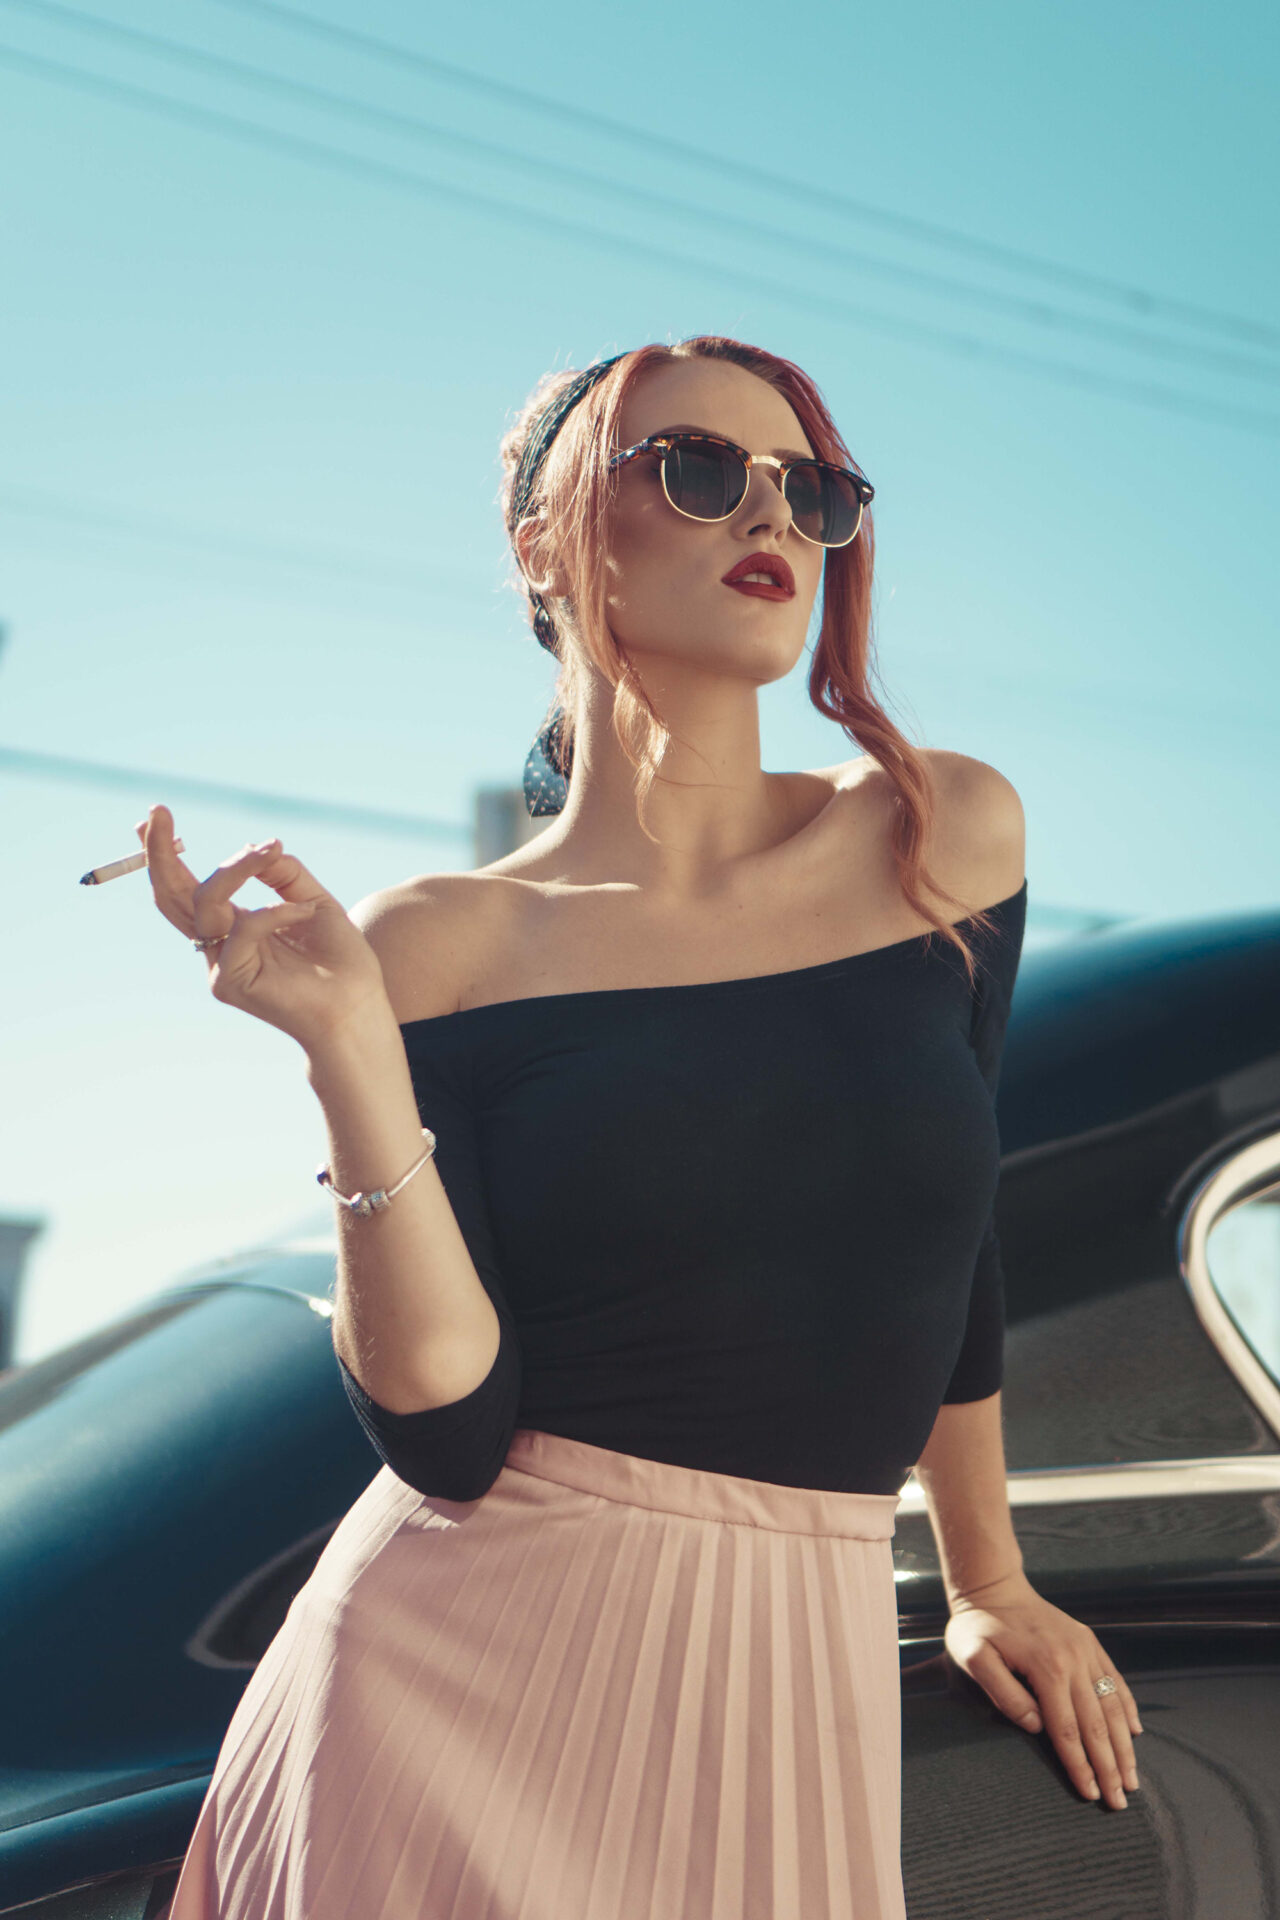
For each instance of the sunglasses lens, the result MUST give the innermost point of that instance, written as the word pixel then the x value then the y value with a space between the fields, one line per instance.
pixel 705 482
pixel 825 505
pixel 710 483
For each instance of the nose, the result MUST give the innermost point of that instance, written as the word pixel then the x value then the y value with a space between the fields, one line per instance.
pixel 764 501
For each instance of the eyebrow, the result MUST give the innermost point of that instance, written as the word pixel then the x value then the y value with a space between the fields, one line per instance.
pixel 687 426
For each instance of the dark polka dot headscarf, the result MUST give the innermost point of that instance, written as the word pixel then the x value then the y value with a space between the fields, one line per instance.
pixel 550 761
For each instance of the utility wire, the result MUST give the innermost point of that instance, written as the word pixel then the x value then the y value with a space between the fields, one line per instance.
pixel 393 571
pixel 851 313
pixel 1138 300
pixel 53 766
pixel 410 826
pixel 1037 312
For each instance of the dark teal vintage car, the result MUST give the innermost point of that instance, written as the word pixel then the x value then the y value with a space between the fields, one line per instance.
pixel 167 1484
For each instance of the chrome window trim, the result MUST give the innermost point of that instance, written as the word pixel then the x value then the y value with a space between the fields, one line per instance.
pixel 325 1308
pixel 915 1631
pixel 1243 1173
pixel 1127 1480
pixel 315 1301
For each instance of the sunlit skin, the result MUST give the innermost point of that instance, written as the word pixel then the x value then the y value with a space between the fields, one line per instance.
pixel 701 649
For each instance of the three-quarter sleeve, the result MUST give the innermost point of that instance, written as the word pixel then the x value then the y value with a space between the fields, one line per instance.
pixel 979 1367
pixel 456 1451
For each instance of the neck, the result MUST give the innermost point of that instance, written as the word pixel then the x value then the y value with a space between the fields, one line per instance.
pixel 711 805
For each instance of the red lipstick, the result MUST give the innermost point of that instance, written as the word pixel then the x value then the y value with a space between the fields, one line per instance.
pixel 780 585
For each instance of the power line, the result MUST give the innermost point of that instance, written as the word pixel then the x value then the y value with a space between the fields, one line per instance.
pixel 328 561
pixel 1136 299
pixel 1035 311
pixel 53 766
pixel 182 787
pixel 850 313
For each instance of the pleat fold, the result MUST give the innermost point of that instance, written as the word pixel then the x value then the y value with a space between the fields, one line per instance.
pixel 612 1689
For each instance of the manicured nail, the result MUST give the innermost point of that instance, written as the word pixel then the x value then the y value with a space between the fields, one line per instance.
pixel 1031 1721
pixel 1093 1790
pixel 1119 1800
pixel 1131 1779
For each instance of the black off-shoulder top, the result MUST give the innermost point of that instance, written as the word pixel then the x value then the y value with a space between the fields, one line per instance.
pixel 742 1225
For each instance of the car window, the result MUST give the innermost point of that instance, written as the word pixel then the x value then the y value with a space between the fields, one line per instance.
pixel 1242 1253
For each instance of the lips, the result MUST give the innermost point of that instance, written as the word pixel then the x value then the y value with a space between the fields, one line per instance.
pixel 780 585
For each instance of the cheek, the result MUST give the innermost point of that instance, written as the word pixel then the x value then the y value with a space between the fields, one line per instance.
pixel 650 563
pixel 644 527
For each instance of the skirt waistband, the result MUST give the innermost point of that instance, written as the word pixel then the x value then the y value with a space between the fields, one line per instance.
pixel 699 1493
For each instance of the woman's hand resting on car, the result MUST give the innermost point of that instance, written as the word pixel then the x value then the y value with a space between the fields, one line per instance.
pixel 303 966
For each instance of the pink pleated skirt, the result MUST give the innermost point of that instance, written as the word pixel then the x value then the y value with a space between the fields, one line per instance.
pixel 611 1689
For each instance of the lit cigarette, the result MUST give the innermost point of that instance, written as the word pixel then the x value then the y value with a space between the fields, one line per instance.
pixel 135 861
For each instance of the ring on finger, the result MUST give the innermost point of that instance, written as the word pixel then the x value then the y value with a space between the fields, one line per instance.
pixel 1104 1685
pixel 213 940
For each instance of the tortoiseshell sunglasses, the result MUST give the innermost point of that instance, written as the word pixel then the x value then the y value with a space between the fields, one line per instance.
pixel 705 477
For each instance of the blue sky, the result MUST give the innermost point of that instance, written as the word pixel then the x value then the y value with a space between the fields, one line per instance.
pixel 253 389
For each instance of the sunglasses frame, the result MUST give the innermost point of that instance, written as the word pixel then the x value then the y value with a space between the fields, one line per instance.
pixel 664 443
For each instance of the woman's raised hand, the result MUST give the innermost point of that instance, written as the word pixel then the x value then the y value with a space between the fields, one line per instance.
pixel 303 966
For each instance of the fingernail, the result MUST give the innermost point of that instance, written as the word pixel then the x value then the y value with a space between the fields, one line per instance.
pixel 1093 1790
pixel 1131 1779
pixel 1140 1728
pixel 1031 1721
pixel 1119 1800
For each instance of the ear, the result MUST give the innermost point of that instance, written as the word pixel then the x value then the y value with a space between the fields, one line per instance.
pixel 542 574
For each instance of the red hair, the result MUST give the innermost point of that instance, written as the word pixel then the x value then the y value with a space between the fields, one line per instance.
pixel 574 499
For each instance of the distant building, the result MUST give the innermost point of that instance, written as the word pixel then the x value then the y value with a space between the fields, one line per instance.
pixel 503 823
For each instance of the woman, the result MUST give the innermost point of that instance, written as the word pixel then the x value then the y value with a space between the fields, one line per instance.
pixel 699 1258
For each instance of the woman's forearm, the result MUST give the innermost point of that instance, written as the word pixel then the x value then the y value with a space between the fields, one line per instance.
pixel 412 1319
pixel 962 1474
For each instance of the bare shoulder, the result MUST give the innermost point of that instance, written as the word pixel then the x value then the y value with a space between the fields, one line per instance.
pixel 428 933
pixel 979 846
